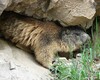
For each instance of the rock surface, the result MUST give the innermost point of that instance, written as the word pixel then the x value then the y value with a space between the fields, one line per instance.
pixel 4 4
pixel 68 12
pixel 73 12
pixel 97 7
pixel 16 64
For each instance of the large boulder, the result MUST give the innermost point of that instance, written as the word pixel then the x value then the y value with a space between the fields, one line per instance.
pixel 16 64
pixel 73 12
pixel 68 12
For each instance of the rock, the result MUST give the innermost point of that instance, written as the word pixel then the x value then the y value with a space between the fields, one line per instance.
pixel 29 7
pixel 73 12
pixel 96 66
pixel 16 64
pixel 4 4
pixel 12 65
pixel 79 55
pixel 68 12
pixel 97 7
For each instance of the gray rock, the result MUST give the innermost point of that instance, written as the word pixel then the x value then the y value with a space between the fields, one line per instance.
pixel 16 64
pixel 4 4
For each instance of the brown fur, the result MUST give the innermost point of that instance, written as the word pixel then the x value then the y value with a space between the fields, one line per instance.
pixel 45 38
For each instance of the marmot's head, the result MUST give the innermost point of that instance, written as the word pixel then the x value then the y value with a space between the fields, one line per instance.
pixel 74 37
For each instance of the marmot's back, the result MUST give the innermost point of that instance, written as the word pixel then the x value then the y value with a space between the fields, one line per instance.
pixel 25 30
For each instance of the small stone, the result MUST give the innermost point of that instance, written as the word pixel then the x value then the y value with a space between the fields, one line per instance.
pixel 79 55
pixel 63 59
pixel 12 65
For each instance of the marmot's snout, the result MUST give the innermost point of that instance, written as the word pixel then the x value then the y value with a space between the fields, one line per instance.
pixel 84 37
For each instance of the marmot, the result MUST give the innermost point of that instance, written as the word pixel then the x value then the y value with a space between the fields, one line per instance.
pixel 44 38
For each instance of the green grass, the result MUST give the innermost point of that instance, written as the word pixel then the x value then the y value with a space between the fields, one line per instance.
pixel 75 72
pixel 81 70
pixel 96 46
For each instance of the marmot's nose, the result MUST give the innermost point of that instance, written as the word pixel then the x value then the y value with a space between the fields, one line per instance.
pixel 85 37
